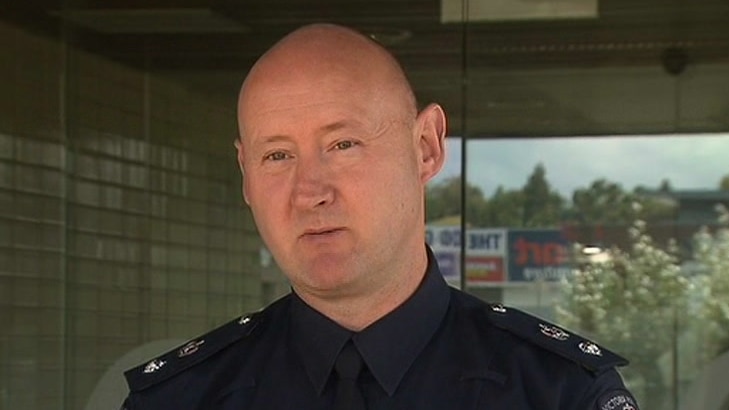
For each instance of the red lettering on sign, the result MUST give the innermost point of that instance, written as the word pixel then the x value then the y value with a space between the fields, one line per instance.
pixel 540 254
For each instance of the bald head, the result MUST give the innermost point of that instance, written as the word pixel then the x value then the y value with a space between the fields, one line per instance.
pixel 335 159
pixel 325 54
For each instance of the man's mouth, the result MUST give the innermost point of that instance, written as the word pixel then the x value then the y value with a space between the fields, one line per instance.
pixel 321 231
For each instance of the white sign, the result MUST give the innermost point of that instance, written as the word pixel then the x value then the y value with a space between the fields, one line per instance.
pixel 479 241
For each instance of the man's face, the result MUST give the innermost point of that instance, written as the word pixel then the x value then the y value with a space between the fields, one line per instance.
pixel 331 174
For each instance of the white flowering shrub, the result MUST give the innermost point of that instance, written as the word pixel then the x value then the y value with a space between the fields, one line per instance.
pixel 711 252
pixel 632 302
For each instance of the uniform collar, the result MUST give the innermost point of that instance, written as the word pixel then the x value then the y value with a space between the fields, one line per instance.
pixel 389 346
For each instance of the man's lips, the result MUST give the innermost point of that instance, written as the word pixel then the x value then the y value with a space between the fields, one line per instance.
pixel 321 231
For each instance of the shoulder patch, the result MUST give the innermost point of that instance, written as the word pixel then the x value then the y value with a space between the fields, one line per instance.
pixel 191 353
pixel 553 338
pixel 617 400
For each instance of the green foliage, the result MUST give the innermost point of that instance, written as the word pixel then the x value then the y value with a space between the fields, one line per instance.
pixel 542 207
pixel 505 208
pixel 607 203
pixel 443 200
pixel 724 184
pixel 537 205
pixel 604 202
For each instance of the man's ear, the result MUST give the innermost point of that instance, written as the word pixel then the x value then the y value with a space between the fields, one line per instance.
pixel 431 126
pixel 244 186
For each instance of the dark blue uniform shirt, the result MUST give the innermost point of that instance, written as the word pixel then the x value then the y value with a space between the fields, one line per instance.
pixel 389 346
pixel 441 349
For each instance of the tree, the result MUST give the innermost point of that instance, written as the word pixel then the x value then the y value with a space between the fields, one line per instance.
pixel 443 199
pixel 607 203
pixel 665 186
pixel 631 304
pixel 505 208
pixel 542 205
pixel 603 202
pixel 535 205
pixel 724 183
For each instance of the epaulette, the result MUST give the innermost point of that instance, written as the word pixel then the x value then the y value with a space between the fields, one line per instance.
pixel 555 339
pixel 191 353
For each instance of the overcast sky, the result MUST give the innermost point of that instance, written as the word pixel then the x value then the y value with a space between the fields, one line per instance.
pixel 687 161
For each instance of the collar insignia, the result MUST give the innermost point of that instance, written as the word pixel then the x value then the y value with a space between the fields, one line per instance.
pixel 554 332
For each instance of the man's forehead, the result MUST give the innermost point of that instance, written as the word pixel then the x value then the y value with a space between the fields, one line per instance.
pixel 325 65
pixel 279 87
pixel 277 127
pixel 329 98
pixel 320 80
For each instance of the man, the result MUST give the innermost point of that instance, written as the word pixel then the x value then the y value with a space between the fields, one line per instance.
pixel 335 159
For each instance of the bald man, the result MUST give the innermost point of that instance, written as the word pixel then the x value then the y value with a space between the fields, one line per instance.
pixel 335 158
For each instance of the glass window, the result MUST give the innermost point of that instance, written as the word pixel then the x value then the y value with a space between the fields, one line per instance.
pixel 621 238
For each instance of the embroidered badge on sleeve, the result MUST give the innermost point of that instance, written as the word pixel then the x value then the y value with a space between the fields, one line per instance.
pixel 617 400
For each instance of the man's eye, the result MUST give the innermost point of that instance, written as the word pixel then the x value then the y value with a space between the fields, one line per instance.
pixel 276 156
pixel 344 145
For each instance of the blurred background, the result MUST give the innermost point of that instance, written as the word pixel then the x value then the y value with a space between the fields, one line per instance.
pixel 587 177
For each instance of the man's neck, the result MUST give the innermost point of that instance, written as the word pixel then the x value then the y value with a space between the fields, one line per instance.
pixel 357 311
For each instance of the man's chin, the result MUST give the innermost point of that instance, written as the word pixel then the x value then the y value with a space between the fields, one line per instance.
pixel 326 279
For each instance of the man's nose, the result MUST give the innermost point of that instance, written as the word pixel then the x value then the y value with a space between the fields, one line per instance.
pixel 313 186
